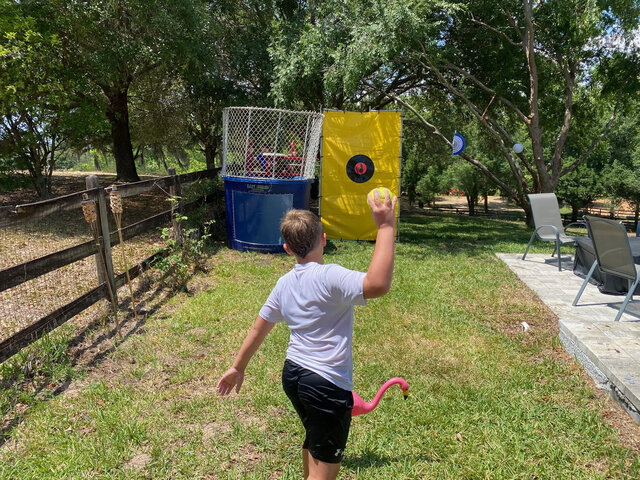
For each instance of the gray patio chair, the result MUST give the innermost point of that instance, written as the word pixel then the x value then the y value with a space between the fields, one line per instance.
pixel 548 223
pixel 613 255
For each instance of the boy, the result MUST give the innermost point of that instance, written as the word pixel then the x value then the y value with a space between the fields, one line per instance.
pixel 316 302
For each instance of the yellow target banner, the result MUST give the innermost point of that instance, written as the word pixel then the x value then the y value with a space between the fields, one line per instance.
pixel 360 151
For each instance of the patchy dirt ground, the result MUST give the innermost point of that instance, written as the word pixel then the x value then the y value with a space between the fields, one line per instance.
pixel 495 204
pixel 25 241
pixel 62 183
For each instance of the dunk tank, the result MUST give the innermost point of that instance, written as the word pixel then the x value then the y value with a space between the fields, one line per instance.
pixel 268 166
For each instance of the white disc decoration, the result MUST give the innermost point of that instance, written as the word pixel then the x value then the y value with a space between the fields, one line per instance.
pixel 518 148
pixel 458 143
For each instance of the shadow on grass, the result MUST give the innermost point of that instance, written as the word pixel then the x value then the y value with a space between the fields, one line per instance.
pixel 330 248
pixel 454 234
pixel 460 233
pixel 86 351
pixel 149 305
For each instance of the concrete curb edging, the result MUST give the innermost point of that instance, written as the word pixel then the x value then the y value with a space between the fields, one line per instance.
pixel 589 361
pixel 600 379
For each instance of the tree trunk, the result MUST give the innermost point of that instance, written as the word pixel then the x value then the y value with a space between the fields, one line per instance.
pixel 41 181
pixel 42 186
pixel 118 115
pixel 210 155
pixel 472 206
pixel 486 203
pixel 528 214
pixel 211 147
pixel 574 213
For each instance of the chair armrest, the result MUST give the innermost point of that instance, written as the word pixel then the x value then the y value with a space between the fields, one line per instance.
pixel 582 224
pixel 553 227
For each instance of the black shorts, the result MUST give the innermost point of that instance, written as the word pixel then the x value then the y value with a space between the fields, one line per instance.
pixel 324 408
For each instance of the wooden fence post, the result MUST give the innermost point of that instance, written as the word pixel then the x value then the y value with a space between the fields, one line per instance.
pixel 103 225
pixel 175 190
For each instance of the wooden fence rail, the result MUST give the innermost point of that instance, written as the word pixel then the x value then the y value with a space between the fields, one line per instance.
pixel 34 331
pixel 33 211
pixel 19 274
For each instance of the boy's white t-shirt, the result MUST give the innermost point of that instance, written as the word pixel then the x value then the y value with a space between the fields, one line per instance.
pixel 316 302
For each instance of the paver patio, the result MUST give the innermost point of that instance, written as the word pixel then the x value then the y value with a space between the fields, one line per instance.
pixel 609 351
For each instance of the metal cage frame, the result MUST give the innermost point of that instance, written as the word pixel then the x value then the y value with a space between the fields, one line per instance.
pixel 270 143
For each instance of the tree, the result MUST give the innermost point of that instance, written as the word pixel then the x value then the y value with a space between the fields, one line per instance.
pixel 465 178
pixel 428 186
pixel 34 104
pixel 424 159
pixel 159 119
pixel 305 46
pixel 622 176
pixel 113 45
pixel 230 67
pixel 580 188
pixel 519 66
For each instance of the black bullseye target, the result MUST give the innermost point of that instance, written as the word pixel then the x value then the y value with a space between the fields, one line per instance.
pixel 360 168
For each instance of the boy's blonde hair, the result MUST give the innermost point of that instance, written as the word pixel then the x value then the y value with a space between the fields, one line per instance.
pixel 301 231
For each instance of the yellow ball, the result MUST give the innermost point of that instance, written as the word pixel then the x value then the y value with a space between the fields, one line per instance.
pixel 382 191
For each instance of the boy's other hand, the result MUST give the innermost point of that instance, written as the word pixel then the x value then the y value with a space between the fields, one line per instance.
pixel 231 378
pixel 382 209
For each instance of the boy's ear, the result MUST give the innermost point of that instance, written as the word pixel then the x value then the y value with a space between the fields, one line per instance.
pixel 287 249
pixel 324 239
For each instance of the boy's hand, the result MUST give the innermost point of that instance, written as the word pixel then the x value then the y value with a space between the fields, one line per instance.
pixel 235 375
pixel 377 281
pixel 382 209
pixel 231 378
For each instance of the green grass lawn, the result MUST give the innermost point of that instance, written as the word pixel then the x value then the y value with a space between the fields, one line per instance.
pixel 486 400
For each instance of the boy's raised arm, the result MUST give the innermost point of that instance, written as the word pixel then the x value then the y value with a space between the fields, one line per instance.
pixel 377 281
pixel 235 375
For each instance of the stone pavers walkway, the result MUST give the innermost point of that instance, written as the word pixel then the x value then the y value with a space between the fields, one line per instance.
pixel 608 350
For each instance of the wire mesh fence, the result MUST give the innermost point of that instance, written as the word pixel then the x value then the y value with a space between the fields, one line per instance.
pixel 27 240
pixel 48 256
pixel 270 143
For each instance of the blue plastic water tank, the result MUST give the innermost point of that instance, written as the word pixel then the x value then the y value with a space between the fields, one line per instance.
pixel 255 208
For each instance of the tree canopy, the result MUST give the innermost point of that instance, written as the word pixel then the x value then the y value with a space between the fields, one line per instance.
pixel 133 78
pixel 524 70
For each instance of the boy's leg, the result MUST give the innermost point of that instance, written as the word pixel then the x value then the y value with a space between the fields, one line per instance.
pixel 328 418
pixel 325 411
pixel 290 377
pixel 305 462
pixel 319 470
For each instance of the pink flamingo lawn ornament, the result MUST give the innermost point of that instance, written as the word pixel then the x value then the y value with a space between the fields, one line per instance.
pixel 361 407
